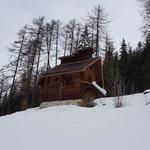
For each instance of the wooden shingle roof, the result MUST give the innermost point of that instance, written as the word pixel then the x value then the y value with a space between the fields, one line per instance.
pixel 78 52
pixel 70 67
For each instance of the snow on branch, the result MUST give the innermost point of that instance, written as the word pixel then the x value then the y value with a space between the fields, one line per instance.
pixel 103 91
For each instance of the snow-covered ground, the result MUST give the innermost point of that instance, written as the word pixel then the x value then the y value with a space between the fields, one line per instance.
pixel 102 127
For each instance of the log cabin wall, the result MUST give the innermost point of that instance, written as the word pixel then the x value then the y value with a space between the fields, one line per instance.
pixel 71 86
pixel 62 87
pixel 94 73
pixel 53 88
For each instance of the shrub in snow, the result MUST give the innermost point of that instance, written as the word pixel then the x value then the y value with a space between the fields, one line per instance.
pixel 119 101
pixel 118 90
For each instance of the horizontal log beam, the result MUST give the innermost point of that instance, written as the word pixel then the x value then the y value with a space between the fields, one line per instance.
pixel 86 82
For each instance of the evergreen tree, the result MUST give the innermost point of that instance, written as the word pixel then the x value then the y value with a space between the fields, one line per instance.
pixel 138 73
pixel 130 72
pixel 109 69
pixel 146 64
pixel 123 64
pixel 146 48
pixel 78 36
pixel 84 38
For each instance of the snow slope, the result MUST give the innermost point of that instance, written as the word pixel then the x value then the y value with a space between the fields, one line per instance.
pixel 102 127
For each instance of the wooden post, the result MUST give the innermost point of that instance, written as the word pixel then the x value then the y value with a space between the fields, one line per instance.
pixel 60 88
pixel 102 75
pixel 45 90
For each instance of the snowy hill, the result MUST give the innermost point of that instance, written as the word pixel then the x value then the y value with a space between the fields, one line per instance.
pixel 102 127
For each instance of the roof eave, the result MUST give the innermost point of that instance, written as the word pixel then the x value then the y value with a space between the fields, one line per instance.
pixel 63 73
pixel 91 64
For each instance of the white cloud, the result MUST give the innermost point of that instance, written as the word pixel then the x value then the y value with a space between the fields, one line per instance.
pixel 14 14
